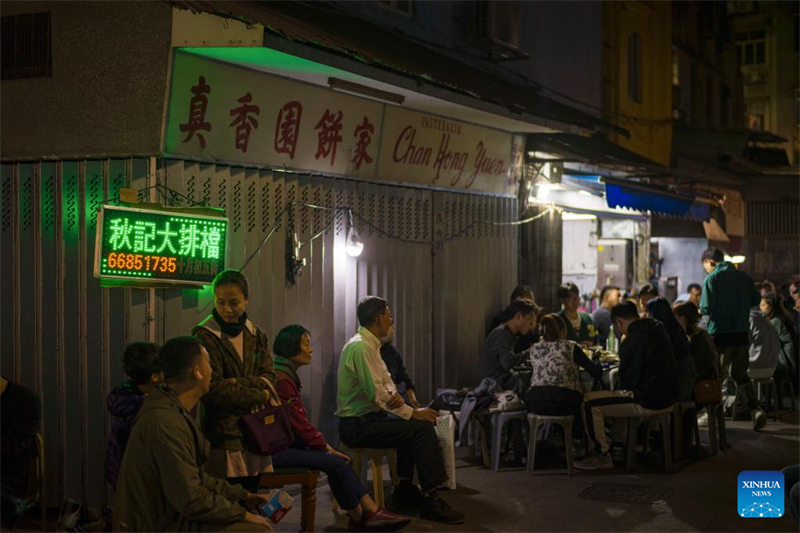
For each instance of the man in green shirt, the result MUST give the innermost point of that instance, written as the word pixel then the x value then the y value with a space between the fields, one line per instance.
pixel 366 395
pixel 728 294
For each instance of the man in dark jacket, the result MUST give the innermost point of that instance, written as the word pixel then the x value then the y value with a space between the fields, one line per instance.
pixel 647 376
pixel 393 360
pixel 728 295
pixel 520 292
pixel 140 362
pixel 163 485
pixel 498 356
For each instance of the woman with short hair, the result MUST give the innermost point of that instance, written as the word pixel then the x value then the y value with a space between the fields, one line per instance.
pixel 292 349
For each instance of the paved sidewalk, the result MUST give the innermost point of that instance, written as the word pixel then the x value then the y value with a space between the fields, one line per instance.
pixel 699 496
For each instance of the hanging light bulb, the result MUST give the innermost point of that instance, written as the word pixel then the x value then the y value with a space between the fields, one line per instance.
pixel 354 245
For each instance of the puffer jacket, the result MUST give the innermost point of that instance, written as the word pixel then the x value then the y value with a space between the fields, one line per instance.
pixel 123 404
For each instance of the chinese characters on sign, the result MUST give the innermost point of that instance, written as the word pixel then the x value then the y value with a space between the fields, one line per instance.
pixel 287 128
pixel 176 247
pixel 244 122
pixel 197 113
pixel 263 119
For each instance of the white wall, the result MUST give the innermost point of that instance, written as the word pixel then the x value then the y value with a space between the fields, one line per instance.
pixel 682 259
pixel 579 254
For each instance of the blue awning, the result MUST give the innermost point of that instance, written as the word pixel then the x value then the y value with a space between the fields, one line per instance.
pixel 654 200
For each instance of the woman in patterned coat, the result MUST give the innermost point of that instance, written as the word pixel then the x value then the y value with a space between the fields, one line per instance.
pixel 555 381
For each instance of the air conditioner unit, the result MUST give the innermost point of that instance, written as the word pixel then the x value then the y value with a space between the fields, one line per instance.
pixel 498 22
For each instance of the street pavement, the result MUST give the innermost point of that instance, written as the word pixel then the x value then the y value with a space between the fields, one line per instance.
pixel 700 495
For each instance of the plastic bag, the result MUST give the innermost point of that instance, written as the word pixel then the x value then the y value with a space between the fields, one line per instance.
pixel 446 434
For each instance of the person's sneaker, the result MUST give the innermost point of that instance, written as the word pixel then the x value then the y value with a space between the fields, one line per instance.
pixel 759 419
pixel 406 495
pixel 702 420
pixel 380 520
pixel 595 462
pixel 437 510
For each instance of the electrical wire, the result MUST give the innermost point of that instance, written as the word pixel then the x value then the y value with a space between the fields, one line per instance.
pixel 351 215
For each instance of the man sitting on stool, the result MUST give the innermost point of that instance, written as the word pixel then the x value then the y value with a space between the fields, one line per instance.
pixel 647 376
pixel 366 394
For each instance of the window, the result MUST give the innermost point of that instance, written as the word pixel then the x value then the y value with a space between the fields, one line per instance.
pixel 26 47
pixel 747 6
pixel 755 122
pixel 635 67
pixel 751 48
pixel 400 6
pixel 676 69
pixel 725 106
pixel 709 100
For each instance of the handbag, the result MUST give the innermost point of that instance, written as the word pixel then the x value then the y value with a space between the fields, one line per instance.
pixel 268 430
pixel 707 391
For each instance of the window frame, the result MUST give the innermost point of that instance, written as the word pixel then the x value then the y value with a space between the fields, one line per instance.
pixel 635 65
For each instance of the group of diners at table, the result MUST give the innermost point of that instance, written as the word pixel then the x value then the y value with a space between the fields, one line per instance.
pixel 552 361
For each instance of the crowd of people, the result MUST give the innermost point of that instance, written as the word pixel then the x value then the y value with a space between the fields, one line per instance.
pixel 729 329
pixel 177 459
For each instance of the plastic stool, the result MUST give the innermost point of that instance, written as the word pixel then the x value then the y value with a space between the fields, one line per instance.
pixel 565 422
pixel 679 412
pixel 717 437
pixel 781 386
pixel 662 418
pixel 767 385
pixel 498 421
pixel 375 457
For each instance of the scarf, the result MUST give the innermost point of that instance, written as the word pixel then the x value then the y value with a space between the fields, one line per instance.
pixel 284 365
pixel 231 329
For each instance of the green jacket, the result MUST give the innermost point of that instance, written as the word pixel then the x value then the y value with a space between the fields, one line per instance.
pixel 728 295
pixel 586 332
pixel 226 402
pixel 162 485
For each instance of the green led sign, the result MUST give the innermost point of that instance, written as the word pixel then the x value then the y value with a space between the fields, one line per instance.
pixel 159 246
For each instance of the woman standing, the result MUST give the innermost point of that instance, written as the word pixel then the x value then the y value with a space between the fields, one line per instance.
pixel 292 350
pixel 243 371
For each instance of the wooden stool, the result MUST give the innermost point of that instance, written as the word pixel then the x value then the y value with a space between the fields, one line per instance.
pixel 375 457
pixel 565 422
pixel 304 477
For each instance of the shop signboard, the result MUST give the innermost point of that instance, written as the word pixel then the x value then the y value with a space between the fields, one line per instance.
pixel 152 247
pixel 225 112
pixel 435 151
